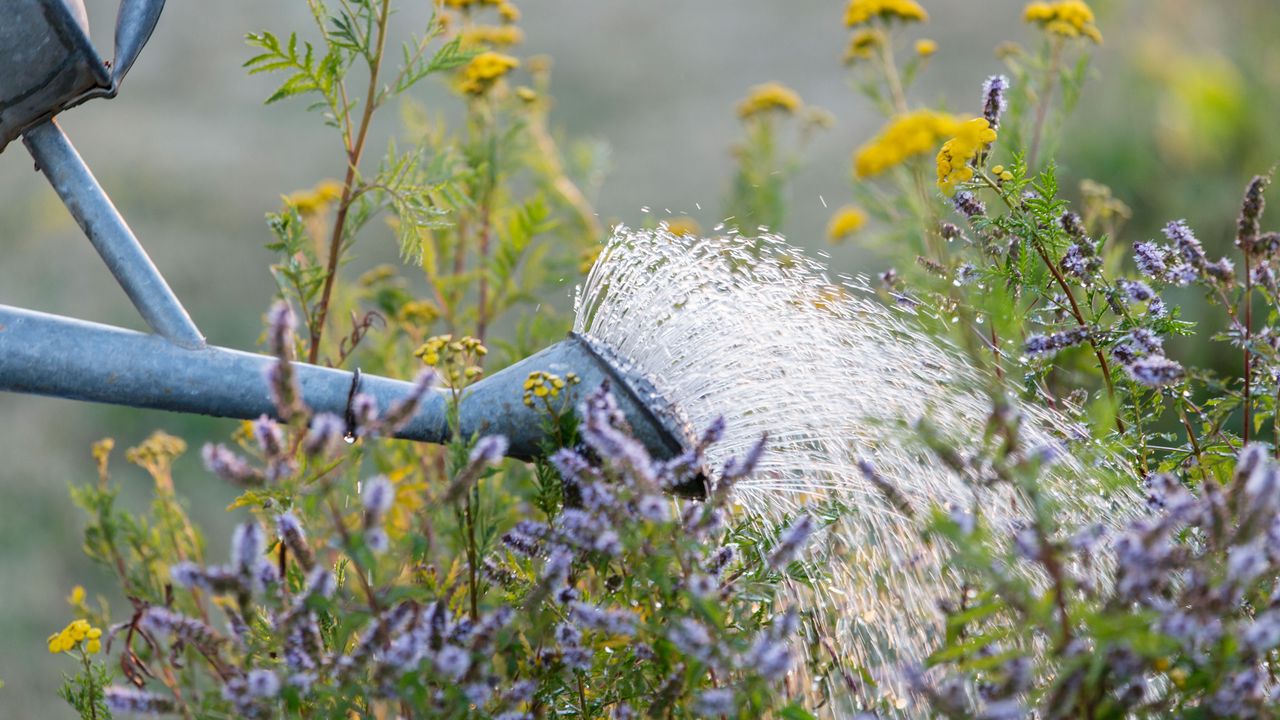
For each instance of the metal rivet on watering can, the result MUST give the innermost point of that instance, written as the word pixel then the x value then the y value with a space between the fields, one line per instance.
pixel 50 66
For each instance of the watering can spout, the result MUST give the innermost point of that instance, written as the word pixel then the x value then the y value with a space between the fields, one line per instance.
pixel 45 354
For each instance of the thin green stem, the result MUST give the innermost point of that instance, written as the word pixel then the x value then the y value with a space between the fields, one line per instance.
pixel 1042 106
pixel 1247 302
pixel 354 152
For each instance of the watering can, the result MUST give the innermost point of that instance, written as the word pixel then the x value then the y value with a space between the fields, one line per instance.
pixel 49 65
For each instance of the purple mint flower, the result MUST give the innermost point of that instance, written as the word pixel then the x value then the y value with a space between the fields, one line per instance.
pixel 1149 258
pixel 452 662
pixel 1136 290
pixel 1180 234
pixel 320 583
pixel 719 559
pixel 131 700
pixel 968 205
pixel 715 702
pixel 654 508
pixel 994 103
pixel 1046 344
pixel 377 540
pixel 248 543
pixel 227 465
pixel 324 435
pixel 364 414
pixel 262 683
pixel 402 411
pixel 736 468
pixel 377 496
pixel 1155 371
pixel 269 436
pixel 280 329
pixel 489 450
pixel 770 657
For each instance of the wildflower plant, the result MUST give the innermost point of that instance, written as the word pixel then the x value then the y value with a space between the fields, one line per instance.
pixel 1159 615
pixel 375 578
pixel 367 576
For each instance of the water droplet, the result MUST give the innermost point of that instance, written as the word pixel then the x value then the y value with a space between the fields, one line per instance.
pixel 349 438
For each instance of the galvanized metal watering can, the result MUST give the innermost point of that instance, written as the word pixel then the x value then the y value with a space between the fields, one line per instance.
pixel 47 65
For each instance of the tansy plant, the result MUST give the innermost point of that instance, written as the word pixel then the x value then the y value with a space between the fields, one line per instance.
pixel 1167 614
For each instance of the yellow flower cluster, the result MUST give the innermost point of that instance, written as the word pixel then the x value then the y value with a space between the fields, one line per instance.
pixel 1002 173
pixel 508 12
pixel 466 4
pixel 914 133
pixel 1067 18
pixel 767 97
pixel 587 258
pixel 954 157
pixel 863 44
pixel 491 35
pixel 158 450
pixel 418 312
pixel 863 11
pixel 454 358
pixel 541 384
pixel 74 633
pixel 683 226
pixel 926 47
pixel 845 222
pixel 317 199
pixel 485 70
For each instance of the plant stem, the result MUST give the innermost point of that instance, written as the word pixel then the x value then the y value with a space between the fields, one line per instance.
pixel 1042 107
pixel 891 76
pixel 486 209
pixel 1071 298
pixel 1079 316
pixel 354 153
pixel 1191 437
pixel 471 558
pixel 1247 301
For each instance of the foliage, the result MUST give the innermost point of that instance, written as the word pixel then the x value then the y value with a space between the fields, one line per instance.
pixel 462 586
pixel 371 577
pixel 1162 614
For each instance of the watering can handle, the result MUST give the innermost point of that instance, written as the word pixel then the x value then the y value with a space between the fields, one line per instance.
pixel 134 23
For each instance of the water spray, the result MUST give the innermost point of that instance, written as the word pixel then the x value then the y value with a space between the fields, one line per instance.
pixel 754 330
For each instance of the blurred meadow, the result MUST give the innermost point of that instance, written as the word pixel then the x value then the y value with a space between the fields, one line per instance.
pixel 1177 115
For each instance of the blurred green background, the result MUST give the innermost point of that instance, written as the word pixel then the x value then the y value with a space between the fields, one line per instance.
pixel 1179 114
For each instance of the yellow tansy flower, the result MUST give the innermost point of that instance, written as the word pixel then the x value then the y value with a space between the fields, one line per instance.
pixel 683 225
pixel 863 11
pixel 915 133
pixel 76 598
pixel 485 70
pixel 954 157
pixel 926 47
pixel 494 35
pixel 317 199
pixel 1066 18
pixel 767 97
pixel 76 631
pixel 540 384
pixel 845 222
pixel 509 13
pixel 587 258
pixel 863 44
